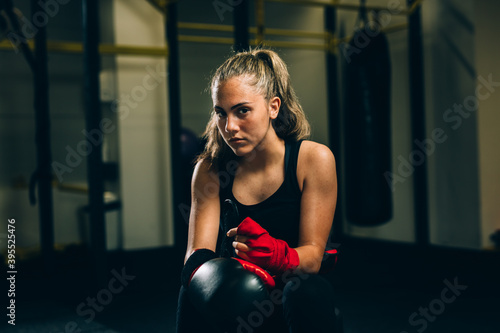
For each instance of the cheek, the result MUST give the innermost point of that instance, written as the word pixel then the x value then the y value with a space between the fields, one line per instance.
pixel 262 121
pixel 220 124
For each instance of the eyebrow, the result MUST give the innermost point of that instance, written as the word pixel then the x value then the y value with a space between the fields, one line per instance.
pixel 232 107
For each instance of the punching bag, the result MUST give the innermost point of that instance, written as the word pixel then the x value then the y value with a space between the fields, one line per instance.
pixel 367 128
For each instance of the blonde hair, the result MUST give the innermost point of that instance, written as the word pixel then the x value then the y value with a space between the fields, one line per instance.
pixel 268 73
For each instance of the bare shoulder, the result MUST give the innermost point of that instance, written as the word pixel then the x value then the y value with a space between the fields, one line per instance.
pixel 202 170
pixel 205 181
pixel 313 153
pixel 315 160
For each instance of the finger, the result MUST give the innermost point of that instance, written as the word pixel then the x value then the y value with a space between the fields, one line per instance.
pixel 242 255
pixel 232 232
pixel 241 239
pixel 241 246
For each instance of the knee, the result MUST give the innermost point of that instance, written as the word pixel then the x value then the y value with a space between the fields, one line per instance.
pixel 305 289
pixel 308 305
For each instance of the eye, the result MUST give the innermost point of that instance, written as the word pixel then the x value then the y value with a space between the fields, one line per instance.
pixel 220 113
pixel 243 110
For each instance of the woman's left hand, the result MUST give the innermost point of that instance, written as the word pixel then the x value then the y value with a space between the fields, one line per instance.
pixel 239 243
pixel 253 243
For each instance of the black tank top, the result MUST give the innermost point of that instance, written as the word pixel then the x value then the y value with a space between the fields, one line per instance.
pixel 279 214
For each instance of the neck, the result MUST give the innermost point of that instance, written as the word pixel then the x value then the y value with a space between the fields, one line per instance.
pixel 269 151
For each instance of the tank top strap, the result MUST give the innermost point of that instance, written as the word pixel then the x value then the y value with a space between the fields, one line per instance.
pixel 291 165
pixel 288 147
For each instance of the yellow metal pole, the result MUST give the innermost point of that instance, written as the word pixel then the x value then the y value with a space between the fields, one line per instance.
pixel 77 48
pixel 205 26
pixel 389 29
pixel 294 33
pixel 205 39
pixel 296 45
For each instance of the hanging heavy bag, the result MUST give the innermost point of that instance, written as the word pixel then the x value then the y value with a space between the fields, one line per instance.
pixel 367 128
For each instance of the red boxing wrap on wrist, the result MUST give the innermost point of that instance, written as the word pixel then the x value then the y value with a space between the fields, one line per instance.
pixel 266 251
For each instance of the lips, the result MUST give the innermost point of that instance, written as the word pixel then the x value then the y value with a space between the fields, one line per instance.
pixel 235 140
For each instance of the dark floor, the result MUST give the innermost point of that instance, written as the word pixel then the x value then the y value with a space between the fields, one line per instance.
pixel 379 287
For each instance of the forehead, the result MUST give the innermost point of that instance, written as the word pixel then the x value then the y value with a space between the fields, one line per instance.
pixel 234 89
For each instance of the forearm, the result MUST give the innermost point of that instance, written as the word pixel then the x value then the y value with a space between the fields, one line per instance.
pixel 310 257
pixel 200 240
pixel 205 210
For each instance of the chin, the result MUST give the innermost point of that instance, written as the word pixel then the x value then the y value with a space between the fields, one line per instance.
pixel 239 151
pixel 242 150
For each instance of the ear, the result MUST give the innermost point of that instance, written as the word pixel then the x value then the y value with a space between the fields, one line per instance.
pixel 274 107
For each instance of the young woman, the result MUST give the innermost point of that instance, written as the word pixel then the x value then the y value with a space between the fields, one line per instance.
pixel 257 164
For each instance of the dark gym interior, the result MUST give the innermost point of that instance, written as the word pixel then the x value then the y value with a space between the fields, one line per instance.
pixel 102 109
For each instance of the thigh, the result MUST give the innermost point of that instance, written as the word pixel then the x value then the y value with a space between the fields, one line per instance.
pixel 308 287
pixel 308 304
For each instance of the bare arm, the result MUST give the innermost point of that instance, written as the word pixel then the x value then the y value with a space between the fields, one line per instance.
pixel 205 210
pixel 319 197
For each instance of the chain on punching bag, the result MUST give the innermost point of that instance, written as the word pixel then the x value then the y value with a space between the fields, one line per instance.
pixel 367 129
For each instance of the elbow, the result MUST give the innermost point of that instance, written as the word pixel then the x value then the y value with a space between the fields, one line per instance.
pixel 310 265
pixel 311 258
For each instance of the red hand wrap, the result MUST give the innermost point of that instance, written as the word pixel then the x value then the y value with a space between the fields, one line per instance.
pixel 268 252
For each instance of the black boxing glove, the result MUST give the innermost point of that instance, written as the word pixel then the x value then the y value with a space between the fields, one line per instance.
pixel 195 260
pixel 223 290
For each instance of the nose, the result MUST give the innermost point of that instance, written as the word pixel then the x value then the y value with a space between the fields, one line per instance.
pixel 231 124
